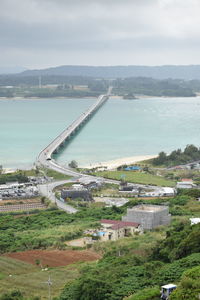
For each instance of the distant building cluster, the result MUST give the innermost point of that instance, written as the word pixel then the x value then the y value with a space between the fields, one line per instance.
pixel 81 190
pixel 138 219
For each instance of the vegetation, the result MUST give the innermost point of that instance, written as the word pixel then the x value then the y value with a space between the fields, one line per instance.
pixel 30 280
pixel 18 176
pixel 54 85
pixel 56 175
pixel 146 294
pixel 134 267
pixel 73 164
pixel 177 157
pixel 136 177
pixel 189 287
pixel 116 276
pixel 181 240
pixel 153 87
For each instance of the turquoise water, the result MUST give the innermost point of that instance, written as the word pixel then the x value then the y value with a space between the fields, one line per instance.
pixel 120 128
pixel 28 126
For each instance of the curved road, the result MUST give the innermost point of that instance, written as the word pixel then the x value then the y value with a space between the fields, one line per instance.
pixel 45 157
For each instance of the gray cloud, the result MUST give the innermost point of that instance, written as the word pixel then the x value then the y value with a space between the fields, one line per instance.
pixel 40 33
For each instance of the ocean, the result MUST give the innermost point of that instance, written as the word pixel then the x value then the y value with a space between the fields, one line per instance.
pixel 121 128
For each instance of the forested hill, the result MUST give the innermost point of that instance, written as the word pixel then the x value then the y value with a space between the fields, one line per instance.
pixel 187 72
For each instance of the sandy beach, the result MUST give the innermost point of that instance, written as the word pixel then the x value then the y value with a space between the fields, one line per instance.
pixel 112 164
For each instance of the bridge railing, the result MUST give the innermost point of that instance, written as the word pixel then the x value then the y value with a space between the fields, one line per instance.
pixel 70 128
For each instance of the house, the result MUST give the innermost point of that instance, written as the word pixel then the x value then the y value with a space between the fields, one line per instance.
pixel 149 216
pixel 112 230
pixel 162 192
pixel 168 192
pixel 185 184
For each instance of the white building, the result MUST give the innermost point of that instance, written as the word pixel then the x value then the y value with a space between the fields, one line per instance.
pixel 185 184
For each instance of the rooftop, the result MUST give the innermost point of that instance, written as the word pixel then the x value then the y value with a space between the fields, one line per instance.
pixel 119 224
pixel 148 208
pixel 169 286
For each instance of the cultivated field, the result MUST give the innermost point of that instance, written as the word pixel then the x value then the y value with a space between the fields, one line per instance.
pixel 54 258
pixel 29 277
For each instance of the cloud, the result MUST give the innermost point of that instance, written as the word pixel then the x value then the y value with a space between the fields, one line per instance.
pixel 44 32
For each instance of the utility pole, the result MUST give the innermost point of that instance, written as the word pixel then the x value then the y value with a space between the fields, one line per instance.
pixel 49 283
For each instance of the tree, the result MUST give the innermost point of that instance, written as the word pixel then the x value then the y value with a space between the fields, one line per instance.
pixel 1 169
pixel 189 287
pixel 161 159
pixel 73 164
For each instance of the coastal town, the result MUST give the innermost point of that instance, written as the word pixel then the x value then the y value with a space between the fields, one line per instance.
pixel 127 200
pixel 99 150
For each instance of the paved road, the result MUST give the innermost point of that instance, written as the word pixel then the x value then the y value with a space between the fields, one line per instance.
pixel 47 191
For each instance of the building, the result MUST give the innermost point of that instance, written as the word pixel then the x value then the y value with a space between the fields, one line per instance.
pixel 133 168
pixel 149 216
pixel 168 192
pixel 162 192
pixel 76 193
pixel 185 184
pixel 90 184
pixel 112 230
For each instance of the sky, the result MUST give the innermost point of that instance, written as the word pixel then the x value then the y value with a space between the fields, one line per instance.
pixel 43 33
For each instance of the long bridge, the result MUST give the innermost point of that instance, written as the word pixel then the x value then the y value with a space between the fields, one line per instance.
pixel 45 156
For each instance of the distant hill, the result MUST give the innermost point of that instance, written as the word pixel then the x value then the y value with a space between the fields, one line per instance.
pixel 187 72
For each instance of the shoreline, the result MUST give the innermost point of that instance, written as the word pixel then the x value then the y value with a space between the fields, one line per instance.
pixel 115 163
pixel 108 165
pixel 114 97
pixel 43 98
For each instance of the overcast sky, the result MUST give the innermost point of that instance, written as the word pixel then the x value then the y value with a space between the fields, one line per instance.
pixel 43 33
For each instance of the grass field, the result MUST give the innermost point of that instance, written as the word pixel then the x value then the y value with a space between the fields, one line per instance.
pixel 58 233
pixel 137 177
pixel 42 172
pixel 140 244
pixel 30 280
pixel 55 175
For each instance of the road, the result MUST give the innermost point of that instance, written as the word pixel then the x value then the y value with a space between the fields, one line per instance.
pixel 47 191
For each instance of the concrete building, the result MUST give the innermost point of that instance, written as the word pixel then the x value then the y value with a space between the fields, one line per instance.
pixel 149 216
pixel 76 193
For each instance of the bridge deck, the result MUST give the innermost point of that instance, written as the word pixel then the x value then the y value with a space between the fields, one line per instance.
pixel 46 154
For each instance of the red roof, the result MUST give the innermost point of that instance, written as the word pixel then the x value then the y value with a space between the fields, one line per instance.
pixel 119 224
pixel 186 179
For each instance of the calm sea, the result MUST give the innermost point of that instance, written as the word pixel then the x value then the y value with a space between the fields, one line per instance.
pixel 120 128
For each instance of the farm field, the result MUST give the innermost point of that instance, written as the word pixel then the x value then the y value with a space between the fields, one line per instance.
pixel 54 258
pixel 17 273
pixel 136 177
